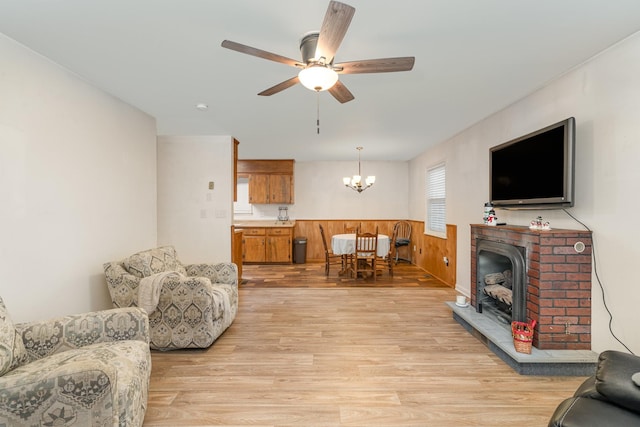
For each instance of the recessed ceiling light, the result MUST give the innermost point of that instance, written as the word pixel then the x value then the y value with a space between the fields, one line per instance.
pixel 202 106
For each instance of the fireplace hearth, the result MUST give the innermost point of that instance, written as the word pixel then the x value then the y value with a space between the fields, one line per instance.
pixel 540 362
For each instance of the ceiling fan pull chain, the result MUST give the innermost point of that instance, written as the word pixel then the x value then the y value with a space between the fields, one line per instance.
pixel 318 113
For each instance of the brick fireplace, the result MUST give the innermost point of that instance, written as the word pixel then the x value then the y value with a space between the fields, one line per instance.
pixel 557 283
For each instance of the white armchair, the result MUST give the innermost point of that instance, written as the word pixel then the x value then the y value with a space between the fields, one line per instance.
pixel 85 369
pixel 195 305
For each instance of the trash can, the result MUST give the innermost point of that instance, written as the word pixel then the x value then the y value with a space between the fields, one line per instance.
pixel 300 250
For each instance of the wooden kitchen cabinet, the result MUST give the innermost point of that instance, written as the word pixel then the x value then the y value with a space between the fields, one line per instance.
pixel 279 247
pixel 236 249
pixel 253 245
pixel 281 189
pixel 267 245
pixel 258 188
pixel 270 181
pixel 270 189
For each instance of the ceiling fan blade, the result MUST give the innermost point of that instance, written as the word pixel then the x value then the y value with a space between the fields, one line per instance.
pixel 334 27
pixel 383 65
pixel 341 93
pixel 280 87
pixel 261 53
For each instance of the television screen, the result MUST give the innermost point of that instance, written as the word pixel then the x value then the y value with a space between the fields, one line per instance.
pixel 535 170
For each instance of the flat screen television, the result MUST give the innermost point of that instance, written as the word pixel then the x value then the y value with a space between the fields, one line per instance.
pixel 535 171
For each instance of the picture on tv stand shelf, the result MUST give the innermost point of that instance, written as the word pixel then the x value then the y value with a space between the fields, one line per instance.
pixel 535 170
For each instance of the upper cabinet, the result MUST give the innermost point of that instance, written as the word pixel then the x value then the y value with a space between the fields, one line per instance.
pixel 270 181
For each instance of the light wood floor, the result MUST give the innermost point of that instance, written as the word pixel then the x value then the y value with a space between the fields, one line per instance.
pixel 330 352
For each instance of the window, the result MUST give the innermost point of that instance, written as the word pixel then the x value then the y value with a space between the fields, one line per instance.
pixel 242 205
pixel 435 223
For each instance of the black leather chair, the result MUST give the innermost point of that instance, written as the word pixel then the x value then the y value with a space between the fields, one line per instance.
pixel 610 398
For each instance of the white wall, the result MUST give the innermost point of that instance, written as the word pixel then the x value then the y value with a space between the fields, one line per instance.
pixel 77 186
pixel 320 193
pixel 194 219
pixel 603 96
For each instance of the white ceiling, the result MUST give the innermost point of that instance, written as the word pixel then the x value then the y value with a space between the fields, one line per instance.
pixel 473 58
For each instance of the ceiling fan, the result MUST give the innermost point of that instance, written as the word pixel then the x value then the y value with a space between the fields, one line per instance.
pixel 317 70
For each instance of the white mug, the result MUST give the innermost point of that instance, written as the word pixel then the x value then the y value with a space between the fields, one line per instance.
pixel 461 300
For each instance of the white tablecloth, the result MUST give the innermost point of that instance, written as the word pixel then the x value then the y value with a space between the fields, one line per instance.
pixel 345 244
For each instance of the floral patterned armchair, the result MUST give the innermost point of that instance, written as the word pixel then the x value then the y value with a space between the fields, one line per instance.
pixel 195 303
pixel 87 369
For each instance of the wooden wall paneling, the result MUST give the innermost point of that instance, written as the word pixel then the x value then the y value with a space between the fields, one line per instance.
pixel 334 227
pixel 419 255
pixel 311 231
pixel 431 250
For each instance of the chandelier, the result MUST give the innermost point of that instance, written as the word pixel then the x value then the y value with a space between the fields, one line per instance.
pixel 355 183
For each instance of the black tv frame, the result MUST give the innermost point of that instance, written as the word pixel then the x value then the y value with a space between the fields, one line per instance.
pixel 534 165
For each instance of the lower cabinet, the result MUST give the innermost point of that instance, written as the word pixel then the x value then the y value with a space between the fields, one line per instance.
pixel 268 245
pixel 253 245
pixel 236 250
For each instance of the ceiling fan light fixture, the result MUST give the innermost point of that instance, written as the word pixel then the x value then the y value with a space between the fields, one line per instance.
pixel 318 77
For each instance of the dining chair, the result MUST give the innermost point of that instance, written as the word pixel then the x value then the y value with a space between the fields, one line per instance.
pixel 351 229
pixel 389 257
pixel 329 257
pixel 403 239
pixel 366 254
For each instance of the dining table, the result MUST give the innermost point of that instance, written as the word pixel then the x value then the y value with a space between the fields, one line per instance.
pixel 345 244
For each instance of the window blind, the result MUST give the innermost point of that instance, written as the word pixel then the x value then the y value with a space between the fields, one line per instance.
pixel 436 199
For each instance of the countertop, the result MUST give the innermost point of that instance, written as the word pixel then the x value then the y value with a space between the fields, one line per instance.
pixel 263 223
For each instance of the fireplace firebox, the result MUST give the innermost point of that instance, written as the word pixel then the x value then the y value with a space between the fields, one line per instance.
pixel 501 280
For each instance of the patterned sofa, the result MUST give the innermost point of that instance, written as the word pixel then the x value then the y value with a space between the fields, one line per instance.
pixel 196 304
pixel 88 369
